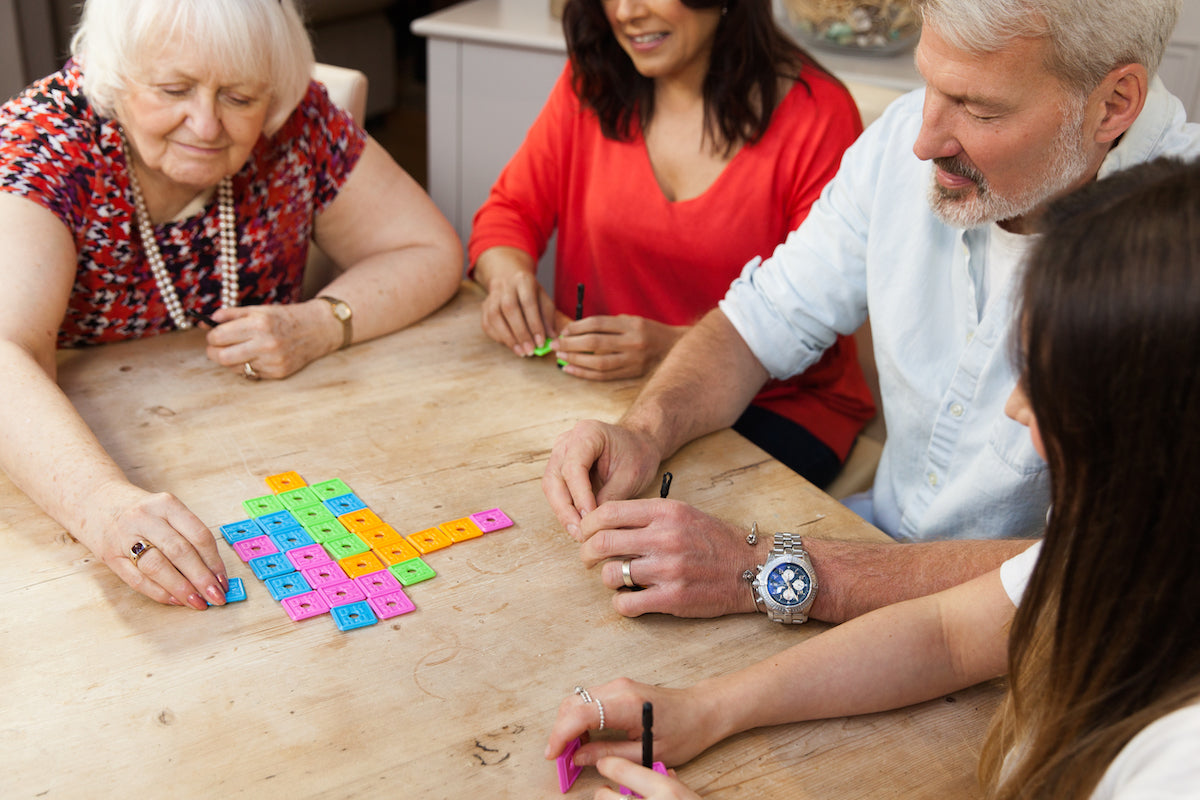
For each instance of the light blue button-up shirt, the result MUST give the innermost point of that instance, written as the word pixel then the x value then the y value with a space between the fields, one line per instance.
pixel 953 466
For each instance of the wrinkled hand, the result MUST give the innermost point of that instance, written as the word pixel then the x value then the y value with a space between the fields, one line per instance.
pixel 690 564
pixel 183 568
pixel 646 782
pixel 607 348
pixel 622 463
pixel 275 340
pixel 518 313
pixel 684 725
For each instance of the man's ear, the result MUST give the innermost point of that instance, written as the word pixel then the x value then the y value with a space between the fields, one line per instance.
pixel 1119 100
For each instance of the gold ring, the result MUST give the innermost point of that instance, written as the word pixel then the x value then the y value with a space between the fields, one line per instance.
pixel 249 374
pixel 139 549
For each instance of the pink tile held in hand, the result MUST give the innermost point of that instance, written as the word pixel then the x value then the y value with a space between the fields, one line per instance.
pixel 567 771
pixel 491 520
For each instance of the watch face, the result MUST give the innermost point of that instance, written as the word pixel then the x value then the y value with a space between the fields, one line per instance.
pixel 342 311
pixel 789 584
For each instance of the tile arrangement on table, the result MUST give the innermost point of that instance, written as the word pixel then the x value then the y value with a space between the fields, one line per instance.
pixel 320 550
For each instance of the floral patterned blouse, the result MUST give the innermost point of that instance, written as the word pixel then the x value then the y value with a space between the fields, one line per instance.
pixel 56 151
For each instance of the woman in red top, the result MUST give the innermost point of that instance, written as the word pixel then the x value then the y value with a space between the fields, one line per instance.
pixel 684 138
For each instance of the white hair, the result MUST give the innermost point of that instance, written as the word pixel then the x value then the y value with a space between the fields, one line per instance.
pixel 1088 38
pixel 262 41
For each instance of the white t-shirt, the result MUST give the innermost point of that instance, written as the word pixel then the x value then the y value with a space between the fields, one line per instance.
pixel 1162 762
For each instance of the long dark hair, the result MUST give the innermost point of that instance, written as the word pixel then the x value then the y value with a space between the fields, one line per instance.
pixel 741 90
pixel 1105 640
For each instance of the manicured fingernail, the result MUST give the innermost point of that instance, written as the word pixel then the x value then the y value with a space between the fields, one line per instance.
pixel 195 602
pixel 224 581
pixel 172 601
pixel 216 594
pixel 573 529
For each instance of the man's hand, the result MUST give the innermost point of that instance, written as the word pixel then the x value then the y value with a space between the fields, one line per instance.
pixel 690 564
pixel 622 463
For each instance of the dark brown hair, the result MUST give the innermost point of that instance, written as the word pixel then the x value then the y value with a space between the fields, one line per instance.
pixel 1105 640
pixel 741 90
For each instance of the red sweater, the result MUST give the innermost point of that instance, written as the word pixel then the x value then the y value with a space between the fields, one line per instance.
pixel 639 253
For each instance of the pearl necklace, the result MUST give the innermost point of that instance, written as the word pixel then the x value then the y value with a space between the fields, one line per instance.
pixel 228 257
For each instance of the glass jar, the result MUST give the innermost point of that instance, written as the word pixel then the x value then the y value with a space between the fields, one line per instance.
pixel 877 27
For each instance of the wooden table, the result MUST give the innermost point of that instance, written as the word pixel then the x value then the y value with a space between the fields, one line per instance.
pixel 106 694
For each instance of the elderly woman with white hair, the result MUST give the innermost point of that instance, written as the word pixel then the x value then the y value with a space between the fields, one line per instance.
pixel 176 169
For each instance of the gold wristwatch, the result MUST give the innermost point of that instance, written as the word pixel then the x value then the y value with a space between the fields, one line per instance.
pixel 342 312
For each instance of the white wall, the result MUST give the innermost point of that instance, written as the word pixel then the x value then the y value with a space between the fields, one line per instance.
pixel 1181 64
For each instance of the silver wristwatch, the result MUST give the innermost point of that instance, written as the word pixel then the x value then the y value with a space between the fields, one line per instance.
pixel 787 584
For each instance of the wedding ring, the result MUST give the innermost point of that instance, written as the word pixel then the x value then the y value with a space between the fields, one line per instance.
pixel 249 374
pixel 139 549
pixel 626 576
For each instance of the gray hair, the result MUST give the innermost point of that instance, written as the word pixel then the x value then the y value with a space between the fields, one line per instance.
pixel 251 40
pixel 1088 38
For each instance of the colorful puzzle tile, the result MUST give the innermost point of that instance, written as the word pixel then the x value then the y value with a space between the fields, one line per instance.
pixel 299 498
pixel 392 604
pixel 326 530
pixel 324 575
pixel 257 506
pixel 281 520
pixel 339 594
pixel 237 531
pixel 491 520
pixel 310 556
pixel 459 530
pixel 349 545
pixel 354 615
pixel 361 520
pixel 380 535
pixel 395 552
pixel 377 583
pixel 344 503
pixel 567 771
pixel 412 571
pixel 327 489
pixel 313 515
pixel 287 585
pixel 236 591
pixel 285 481
pixel 303 606
pixel 291 538
pixel 545 349
pixel 253 548
pixel 430 539
pixel 361 564
pixel 658 767
pixel 265 567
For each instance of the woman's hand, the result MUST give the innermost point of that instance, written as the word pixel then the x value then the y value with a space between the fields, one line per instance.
pixel 275 340
pixel 182 567
pixel 684 726
pixel 607 348
pixel 517 311
pixel 646 782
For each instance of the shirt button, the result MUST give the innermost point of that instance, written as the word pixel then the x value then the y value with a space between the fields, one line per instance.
pixel 933 479
pixel 956 410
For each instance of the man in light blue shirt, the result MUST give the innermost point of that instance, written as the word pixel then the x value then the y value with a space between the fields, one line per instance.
pixel 924 227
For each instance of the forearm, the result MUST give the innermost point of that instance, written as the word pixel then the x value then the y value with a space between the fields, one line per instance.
pixel 857 577
pixel 704 384
pixel 893 657
pixel 47 449
pixel 393 289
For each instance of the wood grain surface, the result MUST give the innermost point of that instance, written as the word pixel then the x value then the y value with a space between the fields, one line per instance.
pixel 107 694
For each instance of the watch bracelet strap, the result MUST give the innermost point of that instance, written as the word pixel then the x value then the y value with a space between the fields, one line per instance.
pixel 347 323
pixel 787 543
